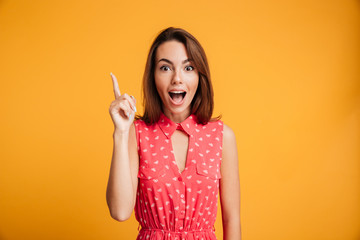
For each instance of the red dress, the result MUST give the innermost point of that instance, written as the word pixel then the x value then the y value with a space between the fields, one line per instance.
pixel 176 205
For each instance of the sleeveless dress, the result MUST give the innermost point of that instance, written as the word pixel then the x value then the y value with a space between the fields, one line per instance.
pixel 174 205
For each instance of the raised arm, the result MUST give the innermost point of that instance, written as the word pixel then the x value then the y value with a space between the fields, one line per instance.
pixel 230 187
pixel 122 182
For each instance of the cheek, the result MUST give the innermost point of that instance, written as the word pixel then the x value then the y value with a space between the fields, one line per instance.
pixel 195 84
pixel 160 86
pixel 192 81
pixel 158 81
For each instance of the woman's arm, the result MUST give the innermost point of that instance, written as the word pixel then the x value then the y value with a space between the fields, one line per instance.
pixel 230 187
pixel 123 181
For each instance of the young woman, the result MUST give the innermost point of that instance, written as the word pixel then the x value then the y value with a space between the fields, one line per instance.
pixel 172 161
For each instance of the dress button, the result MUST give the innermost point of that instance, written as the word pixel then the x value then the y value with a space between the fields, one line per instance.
pixel 180 178
pixel 182 195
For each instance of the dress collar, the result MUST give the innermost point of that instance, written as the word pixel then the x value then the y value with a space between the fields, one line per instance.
pixel 168 127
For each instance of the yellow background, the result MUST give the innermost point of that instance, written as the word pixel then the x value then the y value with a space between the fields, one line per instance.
pixel 286 78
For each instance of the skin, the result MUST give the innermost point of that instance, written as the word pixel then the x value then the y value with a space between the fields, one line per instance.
pixel 120 195
pixel 172 71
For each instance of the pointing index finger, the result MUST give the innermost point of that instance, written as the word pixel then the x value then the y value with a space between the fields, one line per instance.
pixel 115 86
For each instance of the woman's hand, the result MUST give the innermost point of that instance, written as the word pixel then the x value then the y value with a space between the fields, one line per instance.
pixel 122 109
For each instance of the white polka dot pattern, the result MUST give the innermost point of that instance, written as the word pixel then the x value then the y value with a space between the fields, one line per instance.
pixel 171 204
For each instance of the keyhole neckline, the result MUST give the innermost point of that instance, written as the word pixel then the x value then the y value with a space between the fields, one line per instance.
pixel 168 127
pixel 189 155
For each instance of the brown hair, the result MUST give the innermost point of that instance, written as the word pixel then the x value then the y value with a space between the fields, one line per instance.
pixel 202 104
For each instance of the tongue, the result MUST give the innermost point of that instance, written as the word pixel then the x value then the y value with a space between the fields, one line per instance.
pixel 177 97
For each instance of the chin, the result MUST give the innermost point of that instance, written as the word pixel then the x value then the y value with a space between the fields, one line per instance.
pixel 181 110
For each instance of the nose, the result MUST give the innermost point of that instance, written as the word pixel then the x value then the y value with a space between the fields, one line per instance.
pixel 176 79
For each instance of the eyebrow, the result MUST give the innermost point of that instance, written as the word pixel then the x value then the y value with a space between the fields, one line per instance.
pixel 168 61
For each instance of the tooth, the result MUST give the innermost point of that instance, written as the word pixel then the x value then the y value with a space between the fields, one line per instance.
pixel 177 91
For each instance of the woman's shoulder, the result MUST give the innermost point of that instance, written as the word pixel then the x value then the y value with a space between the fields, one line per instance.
pixel 215 121
pixel 138 122
pixel 141 124
pixel 228 134
pixel 221 125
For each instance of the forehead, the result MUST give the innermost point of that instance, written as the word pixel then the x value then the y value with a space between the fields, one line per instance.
pixel 172 50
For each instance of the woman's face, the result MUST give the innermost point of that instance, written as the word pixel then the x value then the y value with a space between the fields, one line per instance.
pixel 176 79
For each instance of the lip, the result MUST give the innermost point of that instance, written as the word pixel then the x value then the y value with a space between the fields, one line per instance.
pixel 177 90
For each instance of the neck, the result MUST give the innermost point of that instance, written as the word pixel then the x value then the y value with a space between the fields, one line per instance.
pixel 177 117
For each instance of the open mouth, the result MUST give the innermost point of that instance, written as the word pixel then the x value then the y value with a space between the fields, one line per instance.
pixel 177 96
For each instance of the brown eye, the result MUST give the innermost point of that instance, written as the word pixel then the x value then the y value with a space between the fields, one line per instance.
pixel 165 68
pixel 189 68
